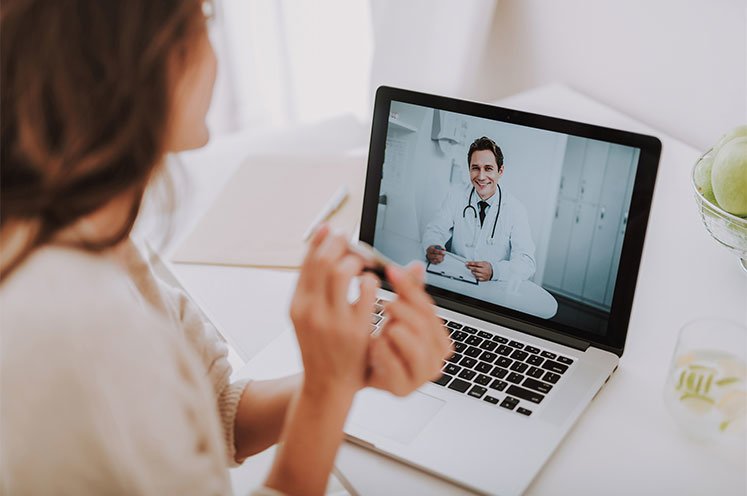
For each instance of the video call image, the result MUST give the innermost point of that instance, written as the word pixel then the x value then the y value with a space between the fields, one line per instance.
pixel 524 218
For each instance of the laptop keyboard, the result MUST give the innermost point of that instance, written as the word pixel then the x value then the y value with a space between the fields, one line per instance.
pixel 493 368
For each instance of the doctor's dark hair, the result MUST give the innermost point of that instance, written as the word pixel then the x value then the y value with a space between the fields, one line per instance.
pixel 86 100
pixel 485 143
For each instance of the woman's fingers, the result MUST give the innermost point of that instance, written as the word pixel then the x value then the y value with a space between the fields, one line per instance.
pixel 369 284
pixel 420 322
pixel 340 276
pixel 408 284
pixel 388 371
pixel 321 262
pixel 426 328
pixel 305 278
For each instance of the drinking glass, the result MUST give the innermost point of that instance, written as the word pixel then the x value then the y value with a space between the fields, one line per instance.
pixel 706 389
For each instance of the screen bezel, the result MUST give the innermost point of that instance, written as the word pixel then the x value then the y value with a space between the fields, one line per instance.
pixel 630 258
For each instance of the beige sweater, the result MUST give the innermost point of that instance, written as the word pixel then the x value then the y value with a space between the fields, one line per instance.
pixel 111 381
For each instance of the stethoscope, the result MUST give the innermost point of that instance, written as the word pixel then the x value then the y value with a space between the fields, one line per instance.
pixel 474 213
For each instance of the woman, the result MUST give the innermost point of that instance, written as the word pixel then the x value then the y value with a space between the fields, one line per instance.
pixel 111 382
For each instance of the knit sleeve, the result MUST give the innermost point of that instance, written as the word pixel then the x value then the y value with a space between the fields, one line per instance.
pixel 212 350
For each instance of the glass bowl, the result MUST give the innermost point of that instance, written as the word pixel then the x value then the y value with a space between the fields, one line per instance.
pixel 729 230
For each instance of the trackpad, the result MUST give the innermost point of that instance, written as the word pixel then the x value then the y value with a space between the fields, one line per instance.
pixel 398 419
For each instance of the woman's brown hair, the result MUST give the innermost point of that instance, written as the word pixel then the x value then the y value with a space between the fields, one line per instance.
pixel 85 101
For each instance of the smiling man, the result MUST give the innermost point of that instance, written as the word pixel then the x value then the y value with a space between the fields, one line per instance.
pixel 485 224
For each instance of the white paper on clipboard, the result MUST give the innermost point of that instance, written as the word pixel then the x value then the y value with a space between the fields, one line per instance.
pixel 453 267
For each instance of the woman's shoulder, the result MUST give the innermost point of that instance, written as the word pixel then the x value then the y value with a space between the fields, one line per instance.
pixel 59 291
pixel 52 276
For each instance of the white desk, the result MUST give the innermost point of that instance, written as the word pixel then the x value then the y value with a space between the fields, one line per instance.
pixel 527 297
pixel 626 442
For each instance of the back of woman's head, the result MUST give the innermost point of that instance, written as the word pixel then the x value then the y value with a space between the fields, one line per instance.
pixel 86 107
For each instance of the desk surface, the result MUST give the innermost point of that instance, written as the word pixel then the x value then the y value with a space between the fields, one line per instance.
pixel 625 442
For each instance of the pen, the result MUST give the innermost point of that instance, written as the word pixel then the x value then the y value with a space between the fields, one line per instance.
pixel 375 260
pixel 331 207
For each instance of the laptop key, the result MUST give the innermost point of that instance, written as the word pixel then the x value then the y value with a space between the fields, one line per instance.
pixel 454 325
pixel 483 367
pixel 509 403
pixel 531 349
pixel 524 394
pixel 459 347
pixel 499 339
pixel 550 377
pixel 378 308
pixel 468 362
pixel 443 380
pixel 375 319
pixel 538 386
pixel 456 357
pixel 467 374
pixel 515 378
pixel 536 372
pixel 459 335
pixel 524 411
pixel 549 354
pixel 556 367
pixel 484 334
pixel 452 369
pixel 469 329
pixel 473 340
pixel 477 391
pixel 516 344
pixel 499 372
pixel 519 367
pixel 459 385
pixel 490 399
pixel 488 345
pixel 498 384
pixel 474 352
pixel 488 356
pixel 535 360
pixel 565 360
pixel 504 350
pixel 519 355
pixel 504 361
pixel 482 380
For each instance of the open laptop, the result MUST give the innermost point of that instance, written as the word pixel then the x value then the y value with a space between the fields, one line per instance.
pixel 536 342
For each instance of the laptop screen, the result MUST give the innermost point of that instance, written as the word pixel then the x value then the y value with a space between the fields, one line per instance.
pixel 515 216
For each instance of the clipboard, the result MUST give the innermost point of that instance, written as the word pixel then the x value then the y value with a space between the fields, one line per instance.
pixel 453 267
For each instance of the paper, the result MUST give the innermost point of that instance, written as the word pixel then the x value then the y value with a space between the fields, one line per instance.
pixel 260 218
pixel 453 267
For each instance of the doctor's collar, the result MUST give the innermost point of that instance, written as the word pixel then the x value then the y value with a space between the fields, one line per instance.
pixel 491 201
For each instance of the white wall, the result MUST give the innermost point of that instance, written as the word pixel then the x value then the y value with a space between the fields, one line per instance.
pixel 428 45
pixel 677 65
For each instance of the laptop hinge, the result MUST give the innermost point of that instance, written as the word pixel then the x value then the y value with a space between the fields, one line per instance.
pixel 533 329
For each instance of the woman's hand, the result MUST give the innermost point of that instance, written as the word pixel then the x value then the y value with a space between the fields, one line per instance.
pixel 333 334
pixel 413 343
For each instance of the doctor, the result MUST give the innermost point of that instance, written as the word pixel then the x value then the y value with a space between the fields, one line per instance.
pixel 486 224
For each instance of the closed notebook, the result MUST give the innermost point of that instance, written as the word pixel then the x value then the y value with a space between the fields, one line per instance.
pixel 260 218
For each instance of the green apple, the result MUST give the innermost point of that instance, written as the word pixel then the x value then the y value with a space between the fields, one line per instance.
pixel 737 132
pixel 729 176
pixel 702 176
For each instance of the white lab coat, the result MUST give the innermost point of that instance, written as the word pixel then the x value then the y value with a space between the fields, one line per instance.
pixel 510 252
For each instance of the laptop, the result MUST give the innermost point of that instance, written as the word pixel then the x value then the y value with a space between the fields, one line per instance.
pixel 540 334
